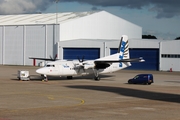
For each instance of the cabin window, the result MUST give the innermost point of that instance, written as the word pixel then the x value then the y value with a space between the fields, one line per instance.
pixel 50 65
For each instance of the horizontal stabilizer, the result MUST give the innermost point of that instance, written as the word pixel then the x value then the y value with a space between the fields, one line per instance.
pixel 122 60
pixel 133 60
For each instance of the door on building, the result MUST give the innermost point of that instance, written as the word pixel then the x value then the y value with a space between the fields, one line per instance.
pixel 86 53
pixel 151 57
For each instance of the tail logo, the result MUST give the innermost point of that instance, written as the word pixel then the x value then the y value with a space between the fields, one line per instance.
pixel 123 51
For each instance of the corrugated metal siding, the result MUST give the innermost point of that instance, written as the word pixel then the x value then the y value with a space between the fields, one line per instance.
pixel 18 43
pixel 21 42
pixel 1 44
pixel 51 41
pixel 35 42
pixel 13 45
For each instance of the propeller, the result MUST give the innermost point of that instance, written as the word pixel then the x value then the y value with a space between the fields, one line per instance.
pixel 81 64
pixel 53 59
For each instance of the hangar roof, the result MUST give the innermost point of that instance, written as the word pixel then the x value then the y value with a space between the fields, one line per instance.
pixel 48 18
pixel 133 43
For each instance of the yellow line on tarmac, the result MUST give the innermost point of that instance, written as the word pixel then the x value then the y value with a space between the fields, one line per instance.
pixel 49 97
pixel 52 97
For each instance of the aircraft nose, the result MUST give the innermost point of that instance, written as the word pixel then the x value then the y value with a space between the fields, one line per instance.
pixel 41 71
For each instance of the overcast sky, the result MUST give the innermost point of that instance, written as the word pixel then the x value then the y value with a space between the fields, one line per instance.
pixel 157 17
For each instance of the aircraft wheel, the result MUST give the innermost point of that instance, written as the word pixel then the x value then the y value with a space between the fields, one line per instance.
pixel 69 77
pixel 129 82
pixel 96 78
pixel 44 78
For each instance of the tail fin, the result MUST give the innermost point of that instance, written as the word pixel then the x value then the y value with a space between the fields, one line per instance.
pixel 121 58
pixel 123 49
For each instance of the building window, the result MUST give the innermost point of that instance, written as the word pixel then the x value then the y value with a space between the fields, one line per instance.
pixel 170 55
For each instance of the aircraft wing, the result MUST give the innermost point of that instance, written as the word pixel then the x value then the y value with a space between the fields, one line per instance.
pixel 46 59
pixel 101 64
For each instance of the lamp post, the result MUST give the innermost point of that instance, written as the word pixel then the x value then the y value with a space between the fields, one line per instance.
pixel 56 1
pixel 56 26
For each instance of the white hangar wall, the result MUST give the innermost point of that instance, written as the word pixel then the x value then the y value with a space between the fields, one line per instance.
pixel 1 44
pixel 19 42
pixel 13 45
pixel 144 43
pixel 170 55
pixel 100 25
pixel 105 45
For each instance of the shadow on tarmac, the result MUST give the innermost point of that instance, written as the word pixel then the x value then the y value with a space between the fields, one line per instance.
pixel 174 81
pixel 55 78
pixel 166 97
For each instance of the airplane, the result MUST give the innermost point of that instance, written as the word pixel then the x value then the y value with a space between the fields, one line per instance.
pixel 107 64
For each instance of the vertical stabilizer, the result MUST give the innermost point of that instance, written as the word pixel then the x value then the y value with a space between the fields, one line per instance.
pixel 123 49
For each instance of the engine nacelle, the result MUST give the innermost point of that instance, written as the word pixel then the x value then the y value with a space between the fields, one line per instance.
pixel 89 65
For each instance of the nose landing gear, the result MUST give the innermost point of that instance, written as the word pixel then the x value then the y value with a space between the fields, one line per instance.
pixel 44 78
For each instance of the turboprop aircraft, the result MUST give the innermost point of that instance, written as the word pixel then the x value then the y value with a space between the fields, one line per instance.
pixel 108 64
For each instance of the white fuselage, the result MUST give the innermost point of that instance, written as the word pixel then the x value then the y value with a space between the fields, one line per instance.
pixel 70 68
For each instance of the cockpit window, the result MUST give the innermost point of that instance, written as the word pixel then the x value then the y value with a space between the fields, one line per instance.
pixel 50 65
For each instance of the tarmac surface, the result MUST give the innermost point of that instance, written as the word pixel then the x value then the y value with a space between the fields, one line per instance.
pixel 82 98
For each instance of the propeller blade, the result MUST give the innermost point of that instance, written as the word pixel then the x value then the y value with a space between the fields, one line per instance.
pixel 55 57
pixel 81 64
pixel 81 60
pixel 50 57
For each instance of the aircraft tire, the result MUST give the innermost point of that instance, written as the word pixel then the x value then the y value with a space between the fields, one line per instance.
pixel 97 78
pixel 69 77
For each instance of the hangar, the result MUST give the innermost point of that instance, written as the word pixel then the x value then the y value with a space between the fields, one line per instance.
pixel 163 55
pixel 93 49
pixel 76 34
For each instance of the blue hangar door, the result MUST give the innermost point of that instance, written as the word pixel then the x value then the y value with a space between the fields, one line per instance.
pixel 87 53
pixel 151 57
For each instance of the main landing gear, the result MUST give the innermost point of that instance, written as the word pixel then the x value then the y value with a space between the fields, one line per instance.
pixel 96 78
pixel 69 77
pixel 96 75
